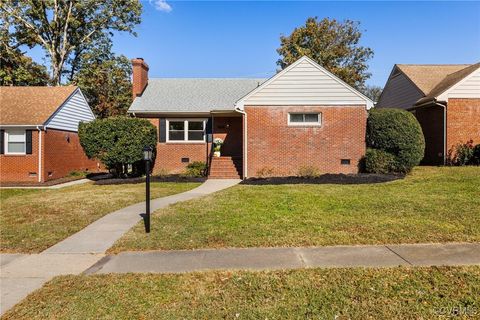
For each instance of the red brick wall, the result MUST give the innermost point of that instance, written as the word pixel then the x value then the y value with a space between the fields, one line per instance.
pixel 274 145
pixel 17 168
pixel 463 121
pixel 62 157
pixel 169 155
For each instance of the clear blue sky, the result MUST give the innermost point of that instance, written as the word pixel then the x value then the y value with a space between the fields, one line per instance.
pixel 239 39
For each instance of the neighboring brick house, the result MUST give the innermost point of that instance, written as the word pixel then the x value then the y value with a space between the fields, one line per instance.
pixel 444 98
pixel 38 133
pixel 302 117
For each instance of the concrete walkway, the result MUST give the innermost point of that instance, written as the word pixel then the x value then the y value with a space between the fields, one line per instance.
pixel 102 234
pixel 290 258
pixel 22 274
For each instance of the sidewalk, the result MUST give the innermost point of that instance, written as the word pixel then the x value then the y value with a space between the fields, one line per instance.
pixel 177 261
pixel 55 186
pixel 22 274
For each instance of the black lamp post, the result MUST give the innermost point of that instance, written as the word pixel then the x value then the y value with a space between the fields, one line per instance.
pixel 147 156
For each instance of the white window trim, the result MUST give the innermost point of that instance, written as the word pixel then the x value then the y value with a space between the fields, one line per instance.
pixel 305 124
pixel 185 130
pixel 6 144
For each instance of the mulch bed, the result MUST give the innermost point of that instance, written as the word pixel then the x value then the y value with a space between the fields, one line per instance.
pixel 44 184
pixel 362 178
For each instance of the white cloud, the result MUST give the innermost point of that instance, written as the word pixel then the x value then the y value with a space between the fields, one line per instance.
pixel 161 5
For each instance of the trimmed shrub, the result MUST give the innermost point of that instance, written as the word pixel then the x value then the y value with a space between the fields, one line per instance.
pixel 196 169
pixel 379 161
pixel 398 133
pixel 118 143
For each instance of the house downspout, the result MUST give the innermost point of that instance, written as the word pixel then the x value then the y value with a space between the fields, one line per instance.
pixel 444 131
pixel 245 153
pixel 39 154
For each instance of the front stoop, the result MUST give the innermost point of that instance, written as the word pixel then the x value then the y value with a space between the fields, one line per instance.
pixel 226 168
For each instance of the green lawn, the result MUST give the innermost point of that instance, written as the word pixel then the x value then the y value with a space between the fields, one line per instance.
pixel 432 204
pixel 33 220
pixel 390 293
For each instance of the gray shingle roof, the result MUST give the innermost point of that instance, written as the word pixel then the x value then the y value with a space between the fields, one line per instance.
pixel 192 95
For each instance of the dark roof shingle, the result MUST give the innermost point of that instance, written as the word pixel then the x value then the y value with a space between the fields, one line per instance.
pixel 31 105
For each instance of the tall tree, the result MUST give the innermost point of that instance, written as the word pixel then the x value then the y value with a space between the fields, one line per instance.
pixel 63 26
pixel 105 80
pixel 334 45
pixel 16 68
pixel 373 92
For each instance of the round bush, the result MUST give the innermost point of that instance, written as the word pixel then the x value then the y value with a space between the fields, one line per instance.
pixel 379 161
pixel 118 142
pixel 397 132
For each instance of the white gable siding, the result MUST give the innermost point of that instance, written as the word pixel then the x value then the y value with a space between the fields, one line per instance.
pixel 305 84
pixel 399 92
pixel 467 88
pixel 71 113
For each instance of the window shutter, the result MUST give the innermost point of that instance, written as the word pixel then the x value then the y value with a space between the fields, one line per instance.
pixel 2 141
pixel 209 130
pixel 28 142
pixel 162 130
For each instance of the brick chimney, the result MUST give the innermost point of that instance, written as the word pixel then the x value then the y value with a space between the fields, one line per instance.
pixel 140 76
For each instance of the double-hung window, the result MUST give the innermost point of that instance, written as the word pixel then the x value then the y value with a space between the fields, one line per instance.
pixel 305 119
pixel 15 142
pixel 186 130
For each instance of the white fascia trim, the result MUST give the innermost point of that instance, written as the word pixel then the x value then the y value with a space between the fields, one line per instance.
pixel 23 126
pixel 240 103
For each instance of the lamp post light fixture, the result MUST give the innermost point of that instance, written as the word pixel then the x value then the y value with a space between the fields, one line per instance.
pixel 147 157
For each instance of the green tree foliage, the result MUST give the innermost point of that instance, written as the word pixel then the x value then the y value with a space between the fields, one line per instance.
pixel 398 133
pixel 16 68
pixel 105 80
pixel 19 70
pixel 118 142
pixel 332 44
pixel 63 27
pixel 373 92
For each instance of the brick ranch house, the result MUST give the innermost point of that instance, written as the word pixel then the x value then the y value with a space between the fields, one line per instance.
pixel 38 133
pixel 445 100
pixel 304 116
